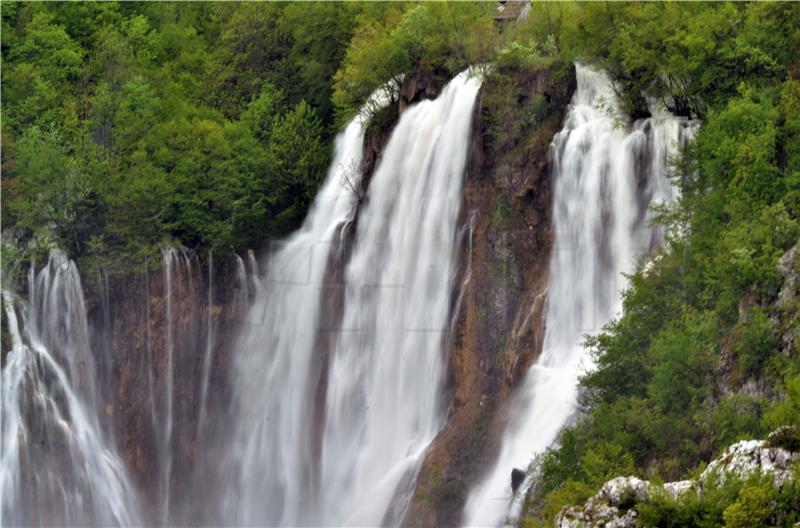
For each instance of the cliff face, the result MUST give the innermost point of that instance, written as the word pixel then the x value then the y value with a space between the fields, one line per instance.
pixel 164 398
pixel 501 292
pixel 163 347
pixel 169 372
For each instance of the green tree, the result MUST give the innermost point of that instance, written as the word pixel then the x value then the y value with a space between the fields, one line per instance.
pixel 300 159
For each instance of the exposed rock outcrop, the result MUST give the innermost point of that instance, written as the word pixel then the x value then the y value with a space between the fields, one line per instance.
pixel 420 85
pixel 499 301
pixel 788 303
pixel 416 86
pixel 614 506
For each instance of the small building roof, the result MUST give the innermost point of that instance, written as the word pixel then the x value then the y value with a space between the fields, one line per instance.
pixel 509 10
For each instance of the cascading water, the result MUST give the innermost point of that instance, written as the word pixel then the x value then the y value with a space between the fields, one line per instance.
pixel 242 281
pixel 251 259
pixel 207 356
pixel 56 465
pixel 274 357
pixel 337 437
pixel 171 258
pixel 386 373
pixel 184 337
pixel 605 180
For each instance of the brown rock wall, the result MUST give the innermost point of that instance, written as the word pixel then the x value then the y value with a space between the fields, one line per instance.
pixel 505 261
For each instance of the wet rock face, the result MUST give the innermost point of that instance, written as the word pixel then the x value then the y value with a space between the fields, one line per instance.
pixel 131 334
pixel 500 295
pixel 614 504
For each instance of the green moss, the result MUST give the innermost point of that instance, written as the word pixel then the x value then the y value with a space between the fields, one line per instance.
pixel 504 215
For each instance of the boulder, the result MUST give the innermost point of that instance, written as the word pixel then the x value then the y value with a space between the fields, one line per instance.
pixel 517 478
pixel 748 456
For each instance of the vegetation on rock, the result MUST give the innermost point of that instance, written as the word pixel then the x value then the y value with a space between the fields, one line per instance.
pixel 698 359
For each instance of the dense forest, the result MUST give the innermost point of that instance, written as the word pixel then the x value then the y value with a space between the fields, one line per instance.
pixel 129 125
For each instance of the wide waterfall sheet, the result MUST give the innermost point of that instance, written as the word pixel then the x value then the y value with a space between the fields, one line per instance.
pixel 337 438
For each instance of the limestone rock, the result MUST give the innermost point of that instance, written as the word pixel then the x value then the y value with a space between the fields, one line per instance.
pixel 614 504
pixel 610 508
pixel 788 315
pixel 789 267
pixel 678 488
pixel 747 456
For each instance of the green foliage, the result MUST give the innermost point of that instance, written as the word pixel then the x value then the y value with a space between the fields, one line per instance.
pixel 735 502
pixel 753 501
pixel 262 112
pixel 786 437
pixel 209 124
pixel 682 359
pixel 516 56
pixel 691 56
pixel 394 39
pixel 787 410
pixel 756 342
pixel 299 162
pixel 700 325
pixel 511 112
pixel 736 417
pixel 571 479
pixel 62 191
pixel 751 510
pixel 372 60
pixel 126 126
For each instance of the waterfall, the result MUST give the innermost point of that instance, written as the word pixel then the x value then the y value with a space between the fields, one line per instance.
pixel 605 178
pixel 169 256
pixel 387 368
pixel 242 283
pixel 251 259
pixel 149 348
pixel 106 358
pixel 338 369
pixel 206 373
pixel 183 338
pixel 56 465
pixel 335 434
